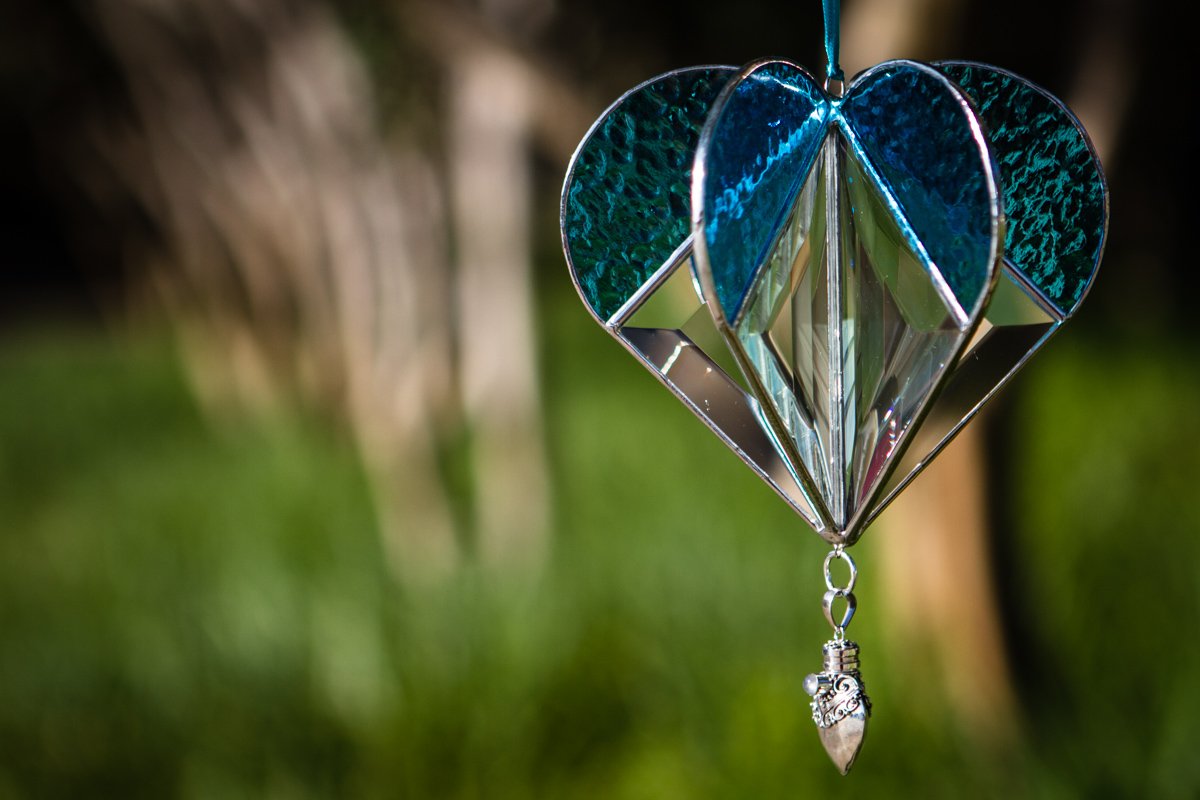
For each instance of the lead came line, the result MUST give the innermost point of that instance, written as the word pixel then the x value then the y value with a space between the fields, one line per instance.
pixel 623 314
pixel 833 249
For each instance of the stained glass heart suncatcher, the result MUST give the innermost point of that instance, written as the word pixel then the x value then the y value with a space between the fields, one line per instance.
pixel 835 281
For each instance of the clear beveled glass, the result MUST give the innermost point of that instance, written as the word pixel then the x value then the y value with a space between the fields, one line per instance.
pixel 845 394
pixel 673 332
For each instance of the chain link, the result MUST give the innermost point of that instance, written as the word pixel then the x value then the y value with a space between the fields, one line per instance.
pixel 833 593
pixel 836 554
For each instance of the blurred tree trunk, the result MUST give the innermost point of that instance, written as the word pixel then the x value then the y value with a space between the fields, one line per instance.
pixel 298 249
pixel 491 178
pixel 937 571
pixel 936 567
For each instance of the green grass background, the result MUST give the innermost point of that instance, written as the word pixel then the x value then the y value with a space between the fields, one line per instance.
pixel 196 610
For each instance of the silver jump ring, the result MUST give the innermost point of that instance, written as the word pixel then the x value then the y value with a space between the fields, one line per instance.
pixel 839 553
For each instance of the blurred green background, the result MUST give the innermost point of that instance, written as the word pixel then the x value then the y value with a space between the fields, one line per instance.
pixel 316 479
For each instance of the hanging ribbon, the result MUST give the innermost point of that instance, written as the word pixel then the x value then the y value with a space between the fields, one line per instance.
pixel 833 27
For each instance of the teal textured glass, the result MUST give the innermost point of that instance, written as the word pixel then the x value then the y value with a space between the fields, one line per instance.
pixel 759 148
pixel 1055 197
pixel 920 137
pixel 626 200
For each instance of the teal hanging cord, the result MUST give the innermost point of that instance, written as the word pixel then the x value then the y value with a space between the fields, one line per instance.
pixel 833 27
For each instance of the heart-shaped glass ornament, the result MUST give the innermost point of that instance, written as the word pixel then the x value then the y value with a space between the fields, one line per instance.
pixel 845 248
pixel 835 281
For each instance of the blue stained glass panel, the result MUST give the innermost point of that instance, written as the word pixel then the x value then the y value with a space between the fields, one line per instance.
pixel 762 145
pixel 912 127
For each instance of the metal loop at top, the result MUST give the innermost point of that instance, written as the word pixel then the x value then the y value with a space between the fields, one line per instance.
pixel 839 553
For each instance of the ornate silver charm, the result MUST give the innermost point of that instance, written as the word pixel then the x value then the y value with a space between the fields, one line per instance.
pixel 840 705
